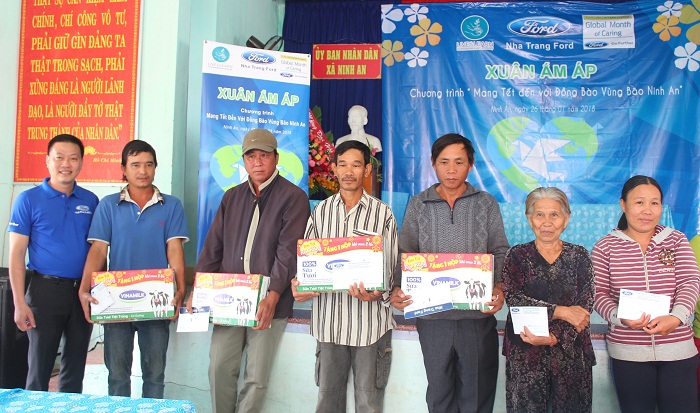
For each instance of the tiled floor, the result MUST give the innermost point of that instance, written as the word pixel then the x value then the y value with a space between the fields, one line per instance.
pixel 292 388
pixel 179 369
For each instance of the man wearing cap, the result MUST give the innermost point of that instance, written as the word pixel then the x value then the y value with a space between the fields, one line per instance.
pixel 255 231
pixel 52 222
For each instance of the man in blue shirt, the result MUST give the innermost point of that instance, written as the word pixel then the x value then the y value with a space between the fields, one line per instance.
pixel 141 228
pixel 52 222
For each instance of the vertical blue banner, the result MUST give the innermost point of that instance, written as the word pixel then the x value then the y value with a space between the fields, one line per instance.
pixel 244 89
pixel 576 95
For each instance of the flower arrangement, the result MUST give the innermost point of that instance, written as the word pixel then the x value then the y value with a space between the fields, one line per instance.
pixel 376 163
pixel 322 181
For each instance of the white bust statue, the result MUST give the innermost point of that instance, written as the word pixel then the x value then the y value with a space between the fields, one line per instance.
pixel 357 119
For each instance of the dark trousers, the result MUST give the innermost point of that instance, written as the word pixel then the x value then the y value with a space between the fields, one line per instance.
pixel 461 364
pixel 57 313
pixel 669 385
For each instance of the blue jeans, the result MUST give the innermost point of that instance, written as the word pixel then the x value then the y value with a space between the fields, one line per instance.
pixel 119 348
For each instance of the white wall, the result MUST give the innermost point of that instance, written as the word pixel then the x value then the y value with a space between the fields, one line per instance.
pixel 172 33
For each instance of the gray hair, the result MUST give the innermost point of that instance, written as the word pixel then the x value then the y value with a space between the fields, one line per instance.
pixel 551 192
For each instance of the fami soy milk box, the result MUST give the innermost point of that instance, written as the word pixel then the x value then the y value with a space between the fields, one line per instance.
pixel 334 264
pixel 136 295
pixel 470 276
pixel 232 298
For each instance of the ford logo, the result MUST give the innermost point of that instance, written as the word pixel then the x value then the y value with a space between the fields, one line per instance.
pixel 515 310
pixel 336 264
pixel 285 74
pixel 629 293
pixel 452 282
pixel 224 299
pixel 83 208
pixel 220 54
pixel 542 26
pixel 258 57
pixel 596 45
pixel 132 295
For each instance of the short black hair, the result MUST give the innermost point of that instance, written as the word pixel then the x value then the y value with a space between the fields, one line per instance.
pixel 135 147
pixel 450 139
pixel 632 183
pixel 352 144
pixel 66 138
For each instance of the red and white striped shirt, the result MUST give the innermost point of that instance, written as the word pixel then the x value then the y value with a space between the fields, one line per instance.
pixel 668 267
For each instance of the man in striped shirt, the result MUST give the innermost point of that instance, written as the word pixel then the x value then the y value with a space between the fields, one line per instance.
pixel 353 329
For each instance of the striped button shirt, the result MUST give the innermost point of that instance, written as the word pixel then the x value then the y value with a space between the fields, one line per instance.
pixel 338 317
pixel 667 267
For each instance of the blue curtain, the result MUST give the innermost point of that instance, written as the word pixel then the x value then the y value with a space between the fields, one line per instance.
pixel 330 22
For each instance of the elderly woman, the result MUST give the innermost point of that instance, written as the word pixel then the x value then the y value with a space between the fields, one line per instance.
pixel 554 371
pixel 653 360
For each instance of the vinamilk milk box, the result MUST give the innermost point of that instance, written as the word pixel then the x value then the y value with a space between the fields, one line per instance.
pixel 334 264
pixel 137 295
pixel 469 276
pixel 233 298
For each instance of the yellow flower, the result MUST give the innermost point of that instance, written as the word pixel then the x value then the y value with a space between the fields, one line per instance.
pixel 667 27
pixel 391 52
pixel 425 33
pixel 690 13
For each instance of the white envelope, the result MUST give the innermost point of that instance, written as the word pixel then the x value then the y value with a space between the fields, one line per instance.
pixel 535 318
pixel 101 293
pixel 429 300
pixel 633 303
pixel 196 322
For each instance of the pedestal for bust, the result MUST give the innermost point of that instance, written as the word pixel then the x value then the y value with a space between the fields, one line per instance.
pixel 372 185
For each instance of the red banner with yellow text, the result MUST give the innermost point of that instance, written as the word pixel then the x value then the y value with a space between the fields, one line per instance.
pixel 346 61
pixel 77 75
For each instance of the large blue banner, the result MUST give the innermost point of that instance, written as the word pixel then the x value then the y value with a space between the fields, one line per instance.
pixel 243 89
pixel 576 95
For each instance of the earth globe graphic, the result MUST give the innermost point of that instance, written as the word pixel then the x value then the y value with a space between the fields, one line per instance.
pixel 228 170
pixel 531 155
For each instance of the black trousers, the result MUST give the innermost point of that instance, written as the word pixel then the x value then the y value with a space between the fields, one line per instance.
pixel 57 313
pixel 461 364
pixel 669 385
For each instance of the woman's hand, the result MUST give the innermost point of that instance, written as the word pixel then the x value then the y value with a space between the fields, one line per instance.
pixel 575 315
pixel 662 325
pixel 534 340
pixel 639 323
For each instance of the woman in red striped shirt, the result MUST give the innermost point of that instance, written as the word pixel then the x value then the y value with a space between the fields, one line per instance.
pixel 653 357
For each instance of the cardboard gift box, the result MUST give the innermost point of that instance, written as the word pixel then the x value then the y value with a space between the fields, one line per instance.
pixel 135 295
pixel 233 298
pixel 469 276
pixel 334 264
